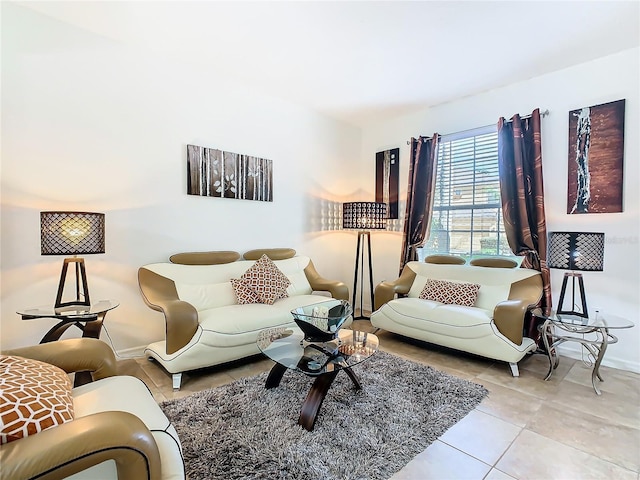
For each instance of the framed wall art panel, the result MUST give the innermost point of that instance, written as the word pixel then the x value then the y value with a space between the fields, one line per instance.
pixel 387 180
pixel 596 150
pixel 216 173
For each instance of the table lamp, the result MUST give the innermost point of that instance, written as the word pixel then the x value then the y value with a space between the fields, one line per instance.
pixel 72 233
pixel 363 216
pixel 575 251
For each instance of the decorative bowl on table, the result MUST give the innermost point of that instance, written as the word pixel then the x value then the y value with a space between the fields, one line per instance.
pixel 321 322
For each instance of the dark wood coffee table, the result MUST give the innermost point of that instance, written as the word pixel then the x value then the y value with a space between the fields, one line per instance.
pixel 290 351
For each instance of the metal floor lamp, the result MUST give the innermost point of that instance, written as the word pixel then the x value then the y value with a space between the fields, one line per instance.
pixel 364 217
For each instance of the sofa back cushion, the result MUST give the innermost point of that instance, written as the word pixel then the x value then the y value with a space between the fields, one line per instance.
pixel 209 286
pixel 495 283
pixel 204 258
pixel 293 268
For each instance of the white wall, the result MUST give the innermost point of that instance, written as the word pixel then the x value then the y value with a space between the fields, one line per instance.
pixel 90 125
pixel 616 290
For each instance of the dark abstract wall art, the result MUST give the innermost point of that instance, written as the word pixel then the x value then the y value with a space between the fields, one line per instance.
pixel 596 150
pixel 388 180
pixel 216 173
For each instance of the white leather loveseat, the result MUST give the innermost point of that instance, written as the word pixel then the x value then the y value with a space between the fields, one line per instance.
pixel 491 327
pixel 205 323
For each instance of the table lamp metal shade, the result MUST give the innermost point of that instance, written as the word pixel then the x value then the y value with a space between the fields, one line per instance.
pixel 72 233
pixel 582 251
pixel 363 216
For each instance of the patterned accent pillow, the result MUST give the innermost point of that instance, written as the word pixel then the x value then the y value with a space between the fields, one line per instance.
pixel 266 279
pixel 34 396
pixel 244 293
pixel 450 293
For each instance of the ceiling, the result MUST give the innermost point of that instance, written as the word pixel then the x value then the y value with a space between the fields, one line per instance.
pixel 361 60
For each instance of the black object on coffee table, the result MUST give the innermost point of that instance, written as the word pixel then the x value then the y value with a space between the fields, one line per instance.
pixel 321 322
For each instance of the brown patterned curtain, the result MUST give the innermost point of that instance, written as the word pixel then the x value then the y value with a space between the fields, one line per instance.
pixel 522 192
pixel 417 218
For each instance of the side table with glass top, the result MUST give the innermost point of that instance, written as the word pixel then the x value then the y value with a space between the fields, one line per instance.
pixel 89 319
pixel 560 328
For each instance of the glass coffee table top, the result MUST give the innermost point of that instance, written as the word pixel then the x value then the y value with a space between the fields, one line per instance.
pixel 288 347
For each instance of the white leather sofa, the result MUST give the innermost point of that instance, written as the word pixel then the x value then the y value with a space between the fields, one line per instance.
pixel 117 430
pixel 492 327
pixel 205 324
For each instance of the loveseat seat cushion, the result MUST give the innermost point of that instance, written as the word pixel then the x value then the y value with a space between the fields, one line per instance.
pixel 450 320
pixel 236 325
pixel 129 394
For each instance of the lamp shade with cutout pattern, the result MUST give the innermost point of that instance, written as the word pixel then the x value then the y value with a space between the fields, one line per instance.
pixel 582 251
pixel 364 215
pixel 71 233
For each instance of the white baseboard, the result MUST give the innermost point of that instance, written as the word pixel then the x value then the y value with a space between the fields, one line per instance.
pixel 609 360
pixel 133 352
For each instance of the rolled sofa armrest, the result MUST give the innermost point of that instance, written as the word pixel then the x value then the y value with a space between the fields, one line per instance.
pixel 508 316
pixel 337 289
pixel 66 449
pixel 386 291
pixel 181 318
pixel 73 355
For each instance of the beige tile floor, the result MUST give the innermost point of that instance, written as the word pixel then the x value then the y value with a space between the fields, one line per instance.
pixel 525 429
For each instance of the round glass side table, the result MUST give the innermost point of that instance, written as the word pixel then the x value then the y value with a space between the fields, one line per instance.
pixel 559 328
pixel 89 319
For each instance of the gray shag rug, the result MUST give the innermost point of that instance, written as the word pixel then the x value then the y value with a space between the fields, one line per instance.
pixel 244 431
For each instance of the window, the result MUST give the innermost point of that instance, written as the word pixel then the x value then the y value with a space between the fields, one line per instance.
pixel 467 212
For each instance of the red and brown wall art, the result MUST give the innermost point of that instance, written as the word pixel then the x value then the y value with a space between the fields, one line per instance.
pixel 596 150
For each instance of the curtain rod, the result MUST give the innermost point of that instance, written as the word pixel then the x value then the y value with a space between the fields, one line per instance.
pixel 542 115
